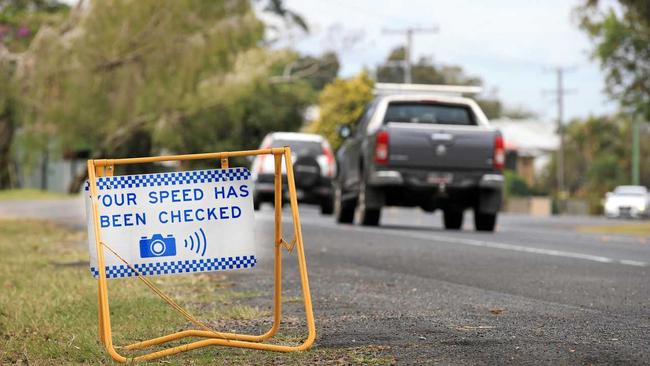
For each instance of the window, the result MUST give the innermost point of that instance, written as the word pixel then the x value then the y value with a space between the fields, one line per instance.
pixel 434 113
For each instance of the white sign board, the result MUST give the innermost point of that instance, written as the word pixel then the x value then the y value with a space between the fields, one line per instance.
pixel 174 223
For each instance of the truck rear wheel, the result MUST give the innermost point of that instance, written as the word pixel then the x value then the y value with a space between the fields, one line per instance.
pixel 453 219
pixel 366 216
pixel 369 217
pixel 485 222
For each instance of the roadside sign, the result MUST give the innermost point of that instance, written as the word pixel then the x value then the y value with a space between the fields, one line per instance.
pixel 187 222
pixel 174 223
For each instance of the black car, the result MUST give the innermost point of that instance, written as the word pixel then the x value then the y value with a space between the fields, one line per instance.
pixel 313 164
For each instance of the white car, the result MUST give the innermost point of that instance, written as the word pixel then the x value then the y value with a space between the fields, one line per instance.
pixel 628 201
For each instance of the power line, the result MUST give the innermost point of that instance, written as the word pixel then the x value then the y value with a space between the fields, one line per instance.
pixel 409 31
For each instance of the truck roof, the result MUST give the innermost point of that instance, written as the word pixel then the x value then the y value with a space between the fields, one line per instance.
pixel 438 89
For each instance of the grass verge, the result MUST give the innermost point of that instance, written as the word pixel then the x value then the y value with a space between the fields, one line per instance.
pixel 31 194
pixel 638 229
pixel 48 308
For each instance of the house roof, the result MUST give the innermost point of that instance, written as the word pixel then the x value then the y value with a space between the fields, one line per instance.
pixel 528 136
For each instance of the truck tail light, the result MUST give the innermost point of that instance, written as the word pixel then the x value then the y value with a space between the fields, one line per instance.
pixel 381 147
pixel 499 152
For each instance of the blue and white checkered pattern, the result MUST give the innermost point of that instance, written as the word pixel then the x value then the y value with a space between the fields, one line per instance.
pixel 188 266
pixel 171 179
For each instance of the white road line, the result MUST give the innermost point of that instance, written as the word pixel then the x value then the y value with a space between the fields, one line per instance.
pixel 633 263
pixel 519 248
pixel 486 244
pixel 525 249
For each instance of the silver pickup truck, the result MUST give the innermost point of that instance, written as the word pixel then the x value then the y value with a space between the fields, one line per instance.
pixel 427 151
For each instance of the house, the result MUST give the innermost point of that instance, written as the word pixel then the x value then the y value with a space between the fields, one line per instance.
pixel 529 143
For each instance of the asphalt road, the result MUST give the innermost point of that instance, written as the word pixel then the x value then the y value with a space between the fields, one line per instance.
pixel 535 292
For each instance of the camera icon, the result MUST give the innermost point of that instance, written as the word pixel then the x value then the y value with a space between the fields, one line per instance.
pixel 157 246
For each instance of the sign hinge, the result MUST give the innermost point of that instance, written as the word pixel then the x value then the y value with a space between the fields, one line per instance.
pixel 288 245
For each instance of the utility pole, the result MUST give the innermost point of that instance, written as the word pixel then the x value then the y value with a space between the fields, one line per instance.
pixel 560 129
pixel 409 45
pixel 636 158
pixel 560 92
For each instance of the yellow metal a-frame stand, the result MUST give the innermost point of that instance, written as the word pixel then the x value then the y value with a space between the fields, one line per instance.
pixel 105 167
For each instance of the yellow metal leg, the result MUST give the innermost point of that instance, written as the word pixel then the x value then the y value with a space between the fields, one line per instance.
pixel 302 262
pixel 277 288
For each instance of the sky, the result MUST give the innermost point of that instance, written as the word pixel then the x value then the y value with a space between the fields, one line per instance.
pixel 512 45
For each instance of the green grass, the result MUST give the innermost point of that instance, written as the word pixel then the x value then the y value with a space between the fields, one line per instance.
pixel 639 229
pixel 31 194
pixel 48 308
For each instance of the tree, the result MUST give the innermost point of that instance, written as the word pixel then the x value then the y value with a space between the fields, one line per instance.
pixel 597 158
pixel 7 126
pixel 129 78
pixel 244 109
pixel 621 40
pixel 341 102
pixel 126 65
pixel 515 185
pixel 20 20
pixel 278 8
pixel 317 71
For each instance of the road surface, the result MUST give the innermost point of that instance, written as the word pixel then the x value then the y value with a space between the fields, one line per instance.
pixel 535 292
